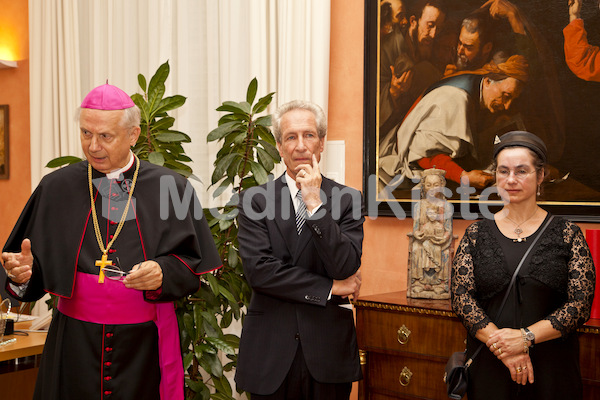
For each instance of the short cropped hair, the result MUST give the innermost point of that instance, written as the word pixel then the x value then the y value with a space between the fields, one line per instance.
pixel 317 111
pixel 132 117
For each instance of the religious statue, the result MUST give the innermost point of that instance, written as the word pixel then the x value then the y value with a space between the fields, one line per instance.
pixel 431 241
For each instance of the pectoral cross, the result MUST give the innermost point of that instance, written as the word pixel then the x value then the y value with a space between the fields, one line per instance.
pixel 103 262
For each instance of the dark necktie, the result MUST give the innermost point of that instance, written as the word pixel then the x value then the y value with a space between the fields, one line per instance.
pixel 301 213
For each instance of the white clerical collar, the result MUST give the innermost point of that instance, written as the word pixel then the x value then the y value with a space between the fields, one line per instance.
pixel 117 173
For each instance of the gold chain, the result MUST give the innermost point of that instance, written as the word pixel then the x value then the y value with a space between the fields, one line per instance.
pixel 122 221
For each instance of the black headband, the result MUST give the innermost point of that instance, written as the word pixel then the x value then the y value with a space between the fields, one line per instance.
pixel 521 139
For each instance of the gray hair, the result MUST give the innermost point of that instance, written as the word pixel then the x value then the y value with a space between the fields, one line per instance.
pixel 132 117
pixel 317 111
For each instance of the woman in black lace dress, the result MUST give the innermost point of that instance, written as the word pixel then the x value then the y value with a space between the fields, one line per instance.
pixel 532 348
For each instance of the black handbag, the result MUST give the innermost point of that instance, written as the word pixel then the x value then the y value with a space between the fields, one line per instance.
pixel 456 375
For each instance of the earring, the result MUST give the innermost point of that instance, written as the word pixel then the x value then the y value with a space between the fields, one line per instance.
pixel 538 191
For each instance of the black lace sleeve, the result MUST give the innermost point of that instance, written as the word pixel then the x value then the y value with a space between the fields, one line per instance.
pixel 462 284
pixel 581 282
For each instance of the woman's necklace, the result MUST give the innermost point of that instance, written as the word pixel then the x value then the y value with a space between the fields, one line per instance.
pixel 103 262
pixel 518 229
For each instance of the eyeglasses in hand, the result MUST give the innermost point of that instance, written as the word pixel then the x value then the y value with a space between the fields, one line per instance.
pixel 115 272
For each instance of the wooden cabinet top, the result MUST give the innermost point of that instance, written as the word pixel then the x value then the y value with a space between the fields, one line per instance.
pixel 397 301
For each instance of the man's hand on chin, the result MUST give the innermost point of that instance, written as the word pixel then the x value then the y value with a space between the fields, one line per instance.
pixel 308 179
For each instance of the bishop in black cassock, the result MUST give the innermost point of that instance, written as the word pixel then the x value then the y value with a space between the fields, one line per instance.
pixel 110 338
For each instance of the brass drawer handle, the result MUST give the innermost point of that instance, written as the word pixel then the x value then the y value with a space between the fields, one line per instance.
pixel 405 376
pixel 403 334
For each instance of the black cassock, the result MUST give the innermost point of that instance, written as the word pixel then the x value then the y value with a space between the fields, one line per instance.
pixel 85 360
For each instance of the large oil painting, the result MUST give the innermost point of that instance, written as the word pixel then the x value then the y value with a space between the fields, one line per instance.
pixel 445 78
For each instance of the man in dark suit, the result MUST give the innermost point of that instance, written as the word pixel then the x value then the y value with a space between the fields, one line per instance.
pixel 301 256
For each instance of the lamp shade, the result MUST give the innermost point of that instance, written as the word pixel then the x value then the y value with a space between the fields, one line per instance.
pixel 8 64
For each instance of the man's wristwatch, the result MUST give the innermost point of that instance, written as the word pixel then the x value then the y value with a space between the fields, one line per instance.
pixel 529 336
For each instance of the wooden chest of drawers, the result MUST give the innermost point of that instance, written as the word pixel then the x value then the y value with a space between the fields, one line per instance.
pixel 405 343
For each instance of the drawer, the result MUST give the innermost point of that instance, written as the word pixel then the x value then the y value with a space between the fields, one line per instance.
pixel 589 349
pixel 406 376
pixel 435 335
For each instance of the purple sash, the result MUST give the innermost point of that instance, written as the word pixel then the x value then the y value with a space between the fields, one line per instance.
pixel 102 303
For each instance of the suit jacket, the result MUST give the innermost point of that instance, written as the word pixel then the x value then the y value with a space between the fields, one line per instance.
pixel 291 277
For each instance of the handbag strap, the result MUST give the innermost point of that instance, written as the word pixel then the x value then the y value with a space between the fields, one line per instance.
pixel 512 282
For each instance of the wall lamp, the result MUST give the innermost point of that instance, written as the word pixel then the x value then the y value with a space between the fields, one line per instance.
pixel 8 64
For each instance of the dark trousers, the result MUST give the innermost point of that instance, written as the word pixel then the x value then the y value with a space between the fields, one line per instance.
pixel 300 385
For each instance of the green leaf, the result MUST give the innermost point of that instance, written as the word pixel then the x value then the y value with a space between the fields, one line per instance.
pixel 226 320
pixel 213 283
pixel 188 322
pixel 240 137
pixel 170 103
pixel 163 124
pixel 265 135
pixel 216 368
pixel 185 174
pixel 263 121
pixel 156 88
pixel 64 160
pixel 221 345
pixel 205 365
pixel 262 103
pixel 211 319
pixel 187 360
pixel 251 93
pixel 227 294
pixel 139 101
pixel 265 159
pixel 222 130
pixel 221 166
pixel 156 158
pixel 170 137
pixel 272 150
pixel 224 389
pixel 233 168
pixel 232 340
pixel 184 158
pixel 224 224
pixel 204 395
pixel 238 108
pixel 233 117
pixel 196 386
pixel 233 256
pixel 175 165
pixel 259 173
pixel 142 82
pixel 223 186
pixel 220 396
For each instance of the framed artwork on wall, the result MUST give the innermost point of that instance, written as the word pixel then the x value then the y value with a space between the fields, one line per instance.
pixel 443 80
pixel 4 142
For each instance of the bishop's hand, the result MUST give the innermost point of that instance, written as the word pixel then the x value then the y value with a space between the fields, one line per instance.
pixel 18 265
pixel 144 276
